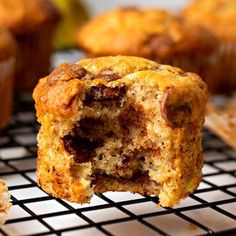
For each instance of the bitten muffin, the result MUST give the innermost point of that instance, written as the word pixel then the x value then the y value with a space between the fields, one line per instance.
pixel 151 33
pixel 120 124
pixel 7 69
pixel 33 24
pixel 5 203
pixel 218 16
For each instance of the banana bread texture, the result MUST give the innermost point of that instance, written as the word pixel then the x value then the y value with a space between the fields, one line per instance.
pixel 120 124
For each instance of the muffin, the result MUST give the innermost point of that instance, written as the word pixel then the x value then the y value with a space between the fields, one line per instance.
pixel 33 24
pixel 219 17
pixel 151 33
pixel 120 124
pixel 7 68
pixel 5 203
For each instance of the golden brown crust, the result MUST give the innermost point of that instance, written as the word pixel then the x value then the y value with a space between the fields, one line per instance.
pixel 62 100
pixel 20 16
pixel 56 94
pixel 219 16
pixel 149 33
pixel 7 45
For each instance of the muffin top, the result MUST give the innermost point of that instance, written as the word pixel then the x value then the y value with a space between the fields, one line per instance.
pixel 7 44
pixel 58 94
pixel 148 33
pixel 21 16
pixel 217 15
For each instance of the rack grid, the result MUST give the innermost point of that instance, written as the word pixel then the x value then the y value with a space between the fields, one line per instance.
pixel 210 210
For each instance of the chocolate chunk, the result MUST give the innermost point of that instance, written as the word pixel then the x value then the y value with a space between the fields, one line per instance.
pixel 175 114
pixel 103 93
pixel 80 148
pixel 89 127
pixel 138 177
pixel 79 71
pixel 107 77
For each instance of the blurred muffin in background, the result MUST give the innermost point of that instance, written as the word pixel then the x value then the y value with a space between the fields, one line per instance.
pixel 32 23
pixel 151 33
pixel 73 15
pixel 7 69
pixel 5 203
pixel 218 16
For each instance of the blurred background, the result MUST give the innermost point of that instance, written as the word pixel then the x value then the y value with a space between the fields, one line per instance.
pixel 103 5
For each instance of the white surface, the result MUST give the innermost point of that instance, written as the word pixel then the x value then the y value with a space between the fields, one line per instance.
pixel 122 196
pixel 24 228
pixel 45 207
pixel 84 232
pixel 220 180
pixel 174 225
pixel 13 152
pixel 143 208
pixel 130 228
pixel 105 214
pixel 104 5
pixel 60 222
pixel 212 219
pixel 27 193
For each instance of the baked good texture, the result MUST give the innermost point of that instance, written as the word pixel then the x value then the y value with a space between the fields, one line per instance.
pixel 5 203
pixel 33 24
pixel 219 17
pixel 120 124
pixel 7 69
pixel 151 33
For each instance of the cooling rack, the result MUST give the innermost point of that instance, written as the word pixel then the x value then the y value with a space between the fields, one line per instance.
pixel 211 210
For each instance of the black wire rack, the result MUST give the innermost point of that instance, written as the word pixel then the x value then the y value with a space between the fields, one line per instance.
pixel 211 210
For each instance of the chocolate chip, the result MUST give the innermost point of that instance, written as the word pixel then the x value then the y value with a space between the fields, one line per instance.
pixel 79 71
pixel 175 114
pixel 66 72
pixel 80 148
pixel 138 177
pixel 103 93
pixel 107 77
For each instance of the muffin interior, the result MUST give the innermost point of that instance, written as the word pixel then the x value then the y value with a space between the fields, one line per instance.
pixel 112 135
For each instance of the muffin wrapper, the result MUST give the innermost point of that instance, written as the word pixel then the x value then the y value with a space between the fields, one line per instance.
pixel 7 69
pixel 196 64
pixel 223 70
pixel 33 58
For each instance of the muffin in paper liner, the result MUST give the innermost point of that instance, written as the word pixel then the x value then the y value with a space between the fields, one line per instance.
pixel 221 119
pixel 32 23
pixel 6 90
pixel 219 17
pixel 5 203
pixel 150 33
pixel 33 57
